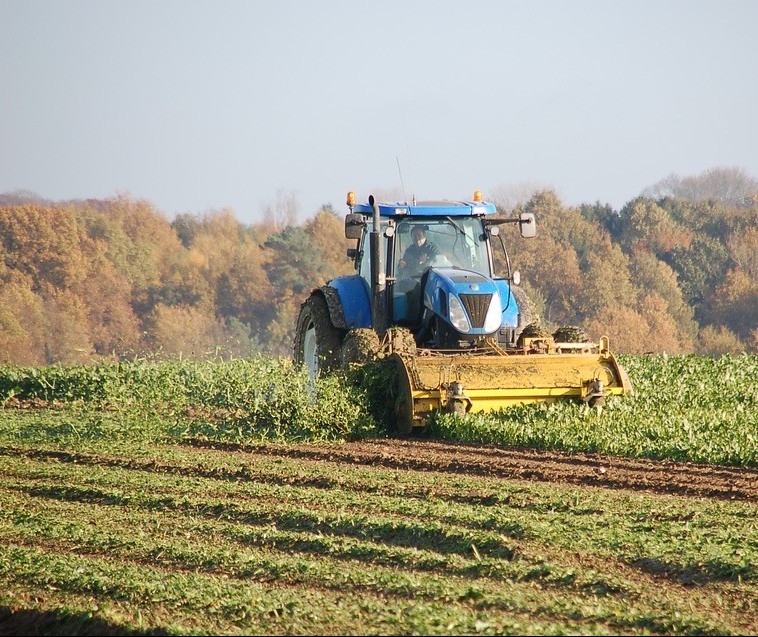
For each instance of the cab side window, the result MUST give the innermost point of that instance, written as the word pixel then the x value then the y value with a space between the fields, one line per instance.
pixel 364 268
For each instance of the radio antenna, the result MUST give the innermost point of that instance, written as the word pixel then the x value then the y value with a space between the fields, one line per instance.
pixel 400 172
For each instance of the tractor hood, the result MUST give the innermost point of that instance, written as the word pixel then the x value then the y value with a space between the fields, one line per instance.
pixel 470 302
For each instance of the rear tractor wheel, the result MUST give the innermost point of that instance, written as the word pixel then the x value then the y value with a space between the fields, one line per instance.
pixel 318 343
pixel 527 313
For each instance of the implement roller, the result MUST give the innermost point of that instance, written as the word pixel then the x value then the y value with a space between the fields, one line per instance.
pixel 469 382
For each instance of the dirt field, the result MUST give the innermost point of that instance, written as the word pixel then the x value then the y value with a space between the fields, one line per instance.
pixel 685 479
pixel 390 536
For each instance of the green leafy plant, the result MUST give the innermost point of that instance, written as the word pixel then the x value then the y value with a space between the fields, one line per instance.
pixel 689 408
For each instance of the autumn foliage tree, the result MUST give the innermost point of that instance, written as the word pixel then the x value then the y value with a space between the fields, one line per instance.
pixel 85 281
pixel 643 275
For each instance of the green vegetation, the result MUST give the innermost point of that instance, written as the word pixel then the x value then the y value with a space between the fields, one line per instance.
pixel 262 398
pixel 183 540
pixel 688 408
pixel 116 520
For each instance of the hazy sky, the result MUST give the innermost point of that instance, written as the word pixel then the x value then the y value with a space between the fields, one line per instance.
pixel 202 105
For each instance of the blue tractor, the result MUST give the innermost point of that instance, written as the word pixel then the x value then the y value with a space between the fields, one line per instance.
pixel 426 297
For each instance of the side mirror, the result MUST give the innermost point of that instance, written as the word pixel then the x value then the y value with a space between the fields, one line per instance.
pixel 354 224
pixel 527 225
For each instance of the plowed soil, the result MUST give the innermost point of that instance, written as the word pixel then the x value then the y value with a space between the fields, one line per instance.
pixel 676 478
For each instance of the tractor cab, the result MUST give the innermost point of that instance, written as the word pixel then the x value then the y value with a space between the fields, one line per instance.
pixel 431 270
pixel 451 243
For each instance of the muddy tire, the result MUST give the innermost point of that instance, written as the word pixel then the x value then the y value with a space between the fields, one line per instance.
pixel 318 343
pixel 402 341
pixel 361 346
pixel 570 334
pixel 527 314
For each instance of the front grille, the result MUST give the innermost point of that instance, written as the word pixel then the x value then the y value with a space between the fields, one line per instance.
pixel 476 305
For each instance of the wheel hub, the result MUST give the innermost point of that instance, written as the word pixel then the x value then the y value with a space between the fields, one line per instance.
pixel 310 352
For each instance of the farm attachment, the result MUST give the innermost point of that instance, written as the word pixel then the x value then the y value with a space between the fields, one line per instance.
pixel 491 379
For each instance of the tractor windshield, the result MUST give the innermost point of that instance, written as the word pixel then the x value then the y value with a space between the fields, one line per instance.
pixel 440 242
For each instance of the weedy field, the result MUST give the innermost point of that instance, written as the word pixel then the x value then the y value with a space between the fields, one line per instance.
pixel 686 408
pixel 232 498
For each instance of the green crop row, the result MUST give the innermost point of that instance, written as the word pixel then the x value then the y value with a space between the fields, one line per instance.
pixel 185 540
pixel 688 408
pixel 258 398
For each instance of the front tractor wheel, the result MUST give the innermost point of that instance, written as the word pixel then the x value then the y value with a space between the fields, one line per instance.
pixel 317 342
pixel 360 346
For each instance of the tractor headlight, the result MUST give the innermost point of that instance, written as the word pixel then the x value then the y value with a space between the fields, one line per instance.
pixel 458 315
pixel 494 315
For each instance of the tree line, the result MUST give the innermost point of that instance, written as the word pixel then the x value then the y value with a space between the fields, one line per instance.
pixel 115 279
pixel 669 275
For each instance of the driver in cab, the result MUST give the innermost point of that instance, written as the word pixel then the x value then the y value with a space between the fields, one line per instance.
pixel 419 254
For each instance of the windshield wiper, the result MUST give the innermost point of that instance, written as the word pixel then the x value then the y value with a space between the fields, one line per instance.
pixel 456 226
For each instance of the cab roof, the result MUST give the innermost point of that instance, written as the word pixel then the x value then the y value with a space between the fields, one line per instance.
pixel 430 209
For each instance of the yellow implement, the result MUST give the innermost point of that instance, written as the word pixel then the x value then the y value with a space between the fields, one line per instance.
pixel 487 380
